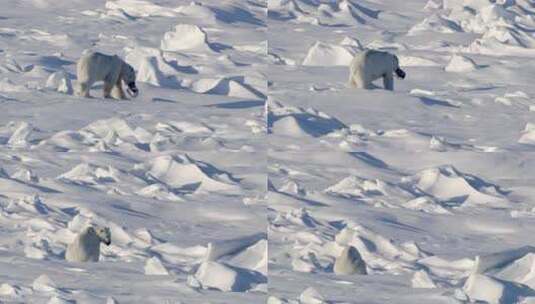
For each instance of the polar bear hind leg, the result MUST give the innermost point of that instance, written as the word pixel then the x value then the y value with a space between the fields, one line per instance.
pixel 117 90
pixel 388 81
pixel 111 79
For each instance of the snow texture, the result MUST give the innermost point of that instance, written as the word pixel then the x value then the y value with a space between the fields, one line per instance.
pixel 248 171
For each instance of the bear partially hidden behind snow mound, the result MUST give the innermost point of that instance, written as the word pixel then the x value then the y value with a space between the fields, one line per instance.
pixel 371 65
pixel 95 66
pixel 86 245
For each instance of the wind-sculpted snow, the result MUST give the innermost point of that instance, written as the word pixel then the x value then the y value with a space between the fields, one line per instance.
pixel 429 183
pixel 246 170
pixel 177 174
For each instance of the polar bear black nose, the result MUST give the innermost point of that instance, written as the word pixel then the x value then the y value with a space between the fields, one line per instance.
pixel 401 74
pixel 132 86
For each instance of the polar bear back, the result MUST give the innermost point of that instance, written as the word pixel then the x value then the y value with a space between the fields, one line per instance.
pixel 97 66
pixel 372 64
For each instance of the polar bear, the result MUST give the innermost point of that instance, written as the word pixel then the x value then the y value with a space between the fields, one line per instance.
pixel 371 65
pixel 95 66
pixel 349 262
pixel 86 245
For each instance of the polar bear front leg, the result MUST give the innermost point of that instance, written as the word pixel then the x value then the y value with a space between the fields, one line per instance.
pixel 117 90
pixel 107 89
pixel 83 89
pixel 388 80
pixel 110 81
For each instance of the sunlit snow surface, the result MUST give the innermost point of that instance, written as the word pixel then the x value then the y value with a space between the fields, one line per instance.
pixel 246 165
pixel 178 174
pixel 420 180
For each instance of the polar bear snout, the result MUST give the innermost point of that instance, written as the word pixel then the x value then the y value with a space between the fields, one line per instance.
pixel 132 89
pixel 104 235
pixel 400 73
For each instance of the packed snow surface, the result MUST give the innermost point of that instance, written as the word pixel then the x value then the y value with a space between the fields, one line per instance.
pixel 246 171
pixel 177 174
pixel 430 183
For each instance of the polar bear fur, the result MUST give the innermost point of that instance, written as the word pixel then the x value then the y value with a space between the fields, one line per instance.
pixel 95 66
pixel 86 245
pixel 349 262
pixel 371 65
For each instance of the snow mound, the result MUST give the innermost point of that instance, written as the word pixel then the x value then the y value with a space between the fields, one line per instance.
pixel 332 13
pixel 58 300
pixel 344 13
pixel 218 249
pixel 198 11
pixel 504 26
pixel 223 277
pixel 436 23
pixel 528 135
pixel 311 296
pixel 356 187
pixel 113 129
pixel 74 141
pixel 432 5
pixel 154 266
pixel 299 122
pixel 421 279
pixel 20 136
pixel 159 192
pixel 450 186
pixel 32 204
pixel 426 205
pixel 89 174
pixel 460 64
pixel 254 257
pixel 185 37
pixel 152 67
pixel 323 54
pixel 225 86
pixel 8 290
pixel 44 284
pixel 520 271
pixel 59 81
pixel 479 287
pixel 185 174
pixel 376 249
pixel 149 72
pixel 138 8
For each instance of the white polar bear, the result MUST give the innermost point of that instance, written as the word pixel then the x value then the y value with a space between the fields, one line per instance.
pixel 86 245
pixel 349 262
pixel 95 66
pixel 371 65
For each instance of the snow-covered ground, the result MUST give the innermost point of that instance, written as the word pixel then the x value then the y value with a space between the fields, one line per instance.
pixel 420 180
pixel 246 149
pixel 178 174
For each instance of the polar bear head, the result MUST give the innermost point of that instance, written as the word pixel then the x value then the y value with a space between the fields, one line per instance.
pixel 399 72
pixel 129 77
pixel 103 234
